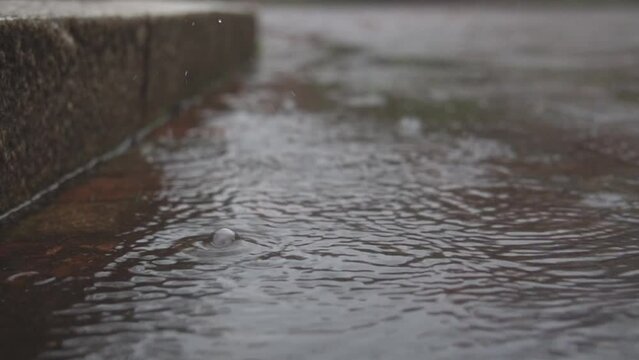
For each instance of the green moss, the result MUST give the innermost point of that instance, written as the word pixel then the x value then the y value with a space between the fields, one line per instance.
pixel 341 50
pixel 628 95
pixel 448 114
pixel 434 63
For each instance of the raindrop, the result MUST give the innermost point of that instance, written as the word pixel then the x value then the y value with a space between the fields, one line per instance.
pixel 288 104
pixel 410 126
pixel 17 276
pixel 224 237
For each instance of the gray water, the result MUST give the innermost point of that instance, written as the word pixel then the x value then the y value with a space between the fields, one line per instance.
pixel 406 183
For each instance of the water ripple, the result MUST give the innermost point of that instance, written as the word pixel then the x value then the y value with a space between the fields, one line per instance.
pixel 365 235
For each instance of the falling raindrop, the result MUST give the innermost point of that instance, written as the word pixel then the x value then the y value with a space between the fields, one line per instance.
pixel 410 126
pixel 17 276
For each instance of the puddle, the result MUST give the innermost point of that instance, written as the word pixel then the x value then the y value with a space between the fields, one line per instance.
pixel 391 200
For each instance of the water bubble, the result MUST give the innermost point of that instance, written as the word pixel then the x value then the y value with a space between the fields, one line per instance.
pixel 224 237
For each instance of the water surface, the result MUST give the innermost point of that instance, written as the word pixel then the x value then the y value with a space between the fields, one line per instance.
pixel 407 182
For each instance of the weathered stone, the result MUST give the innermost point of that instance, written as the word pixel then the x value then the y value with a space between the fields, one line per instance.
pixel 75 81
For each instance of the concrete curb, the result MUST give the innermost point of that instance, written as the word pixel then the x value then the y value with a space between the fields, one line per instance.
pixel 75 81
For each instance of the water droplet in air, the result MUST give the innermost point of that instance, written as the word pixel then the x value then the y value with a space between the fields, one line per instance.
pixel 410 126
pixel 219 21
pixel 224 237
pixel 17 276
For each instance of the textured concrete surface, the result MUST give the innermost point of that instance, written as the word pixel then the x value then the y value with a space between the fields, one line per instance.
pixel 77 78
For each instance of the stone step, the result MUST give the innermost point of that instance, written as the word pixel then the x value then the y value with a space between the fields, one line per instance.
pixel 78 78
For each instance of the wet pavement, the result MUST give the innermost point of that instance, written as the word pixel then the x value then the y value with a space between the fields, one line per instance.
pixel 405 182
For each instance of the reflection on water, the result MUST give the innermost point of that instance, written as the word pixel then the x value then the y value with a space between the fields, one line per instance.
pixel 372 225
